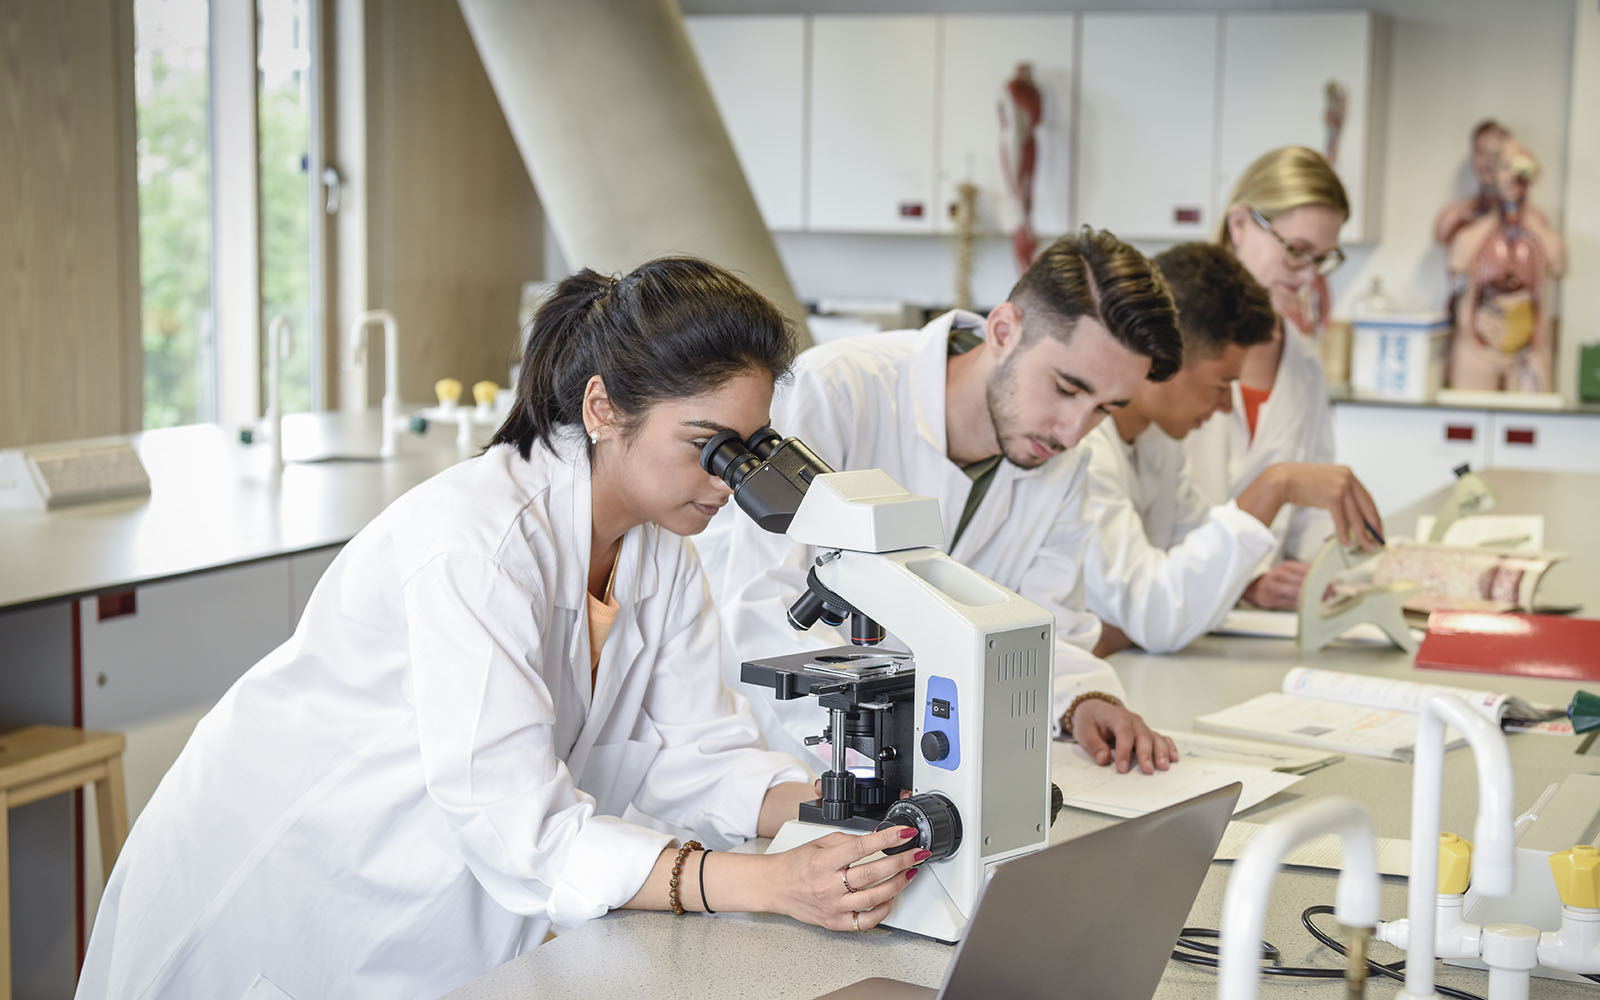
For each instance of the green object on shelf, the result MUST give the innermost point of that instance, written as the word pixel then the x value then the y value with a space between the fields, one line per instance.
pixel 1584 712
pixel 1589 373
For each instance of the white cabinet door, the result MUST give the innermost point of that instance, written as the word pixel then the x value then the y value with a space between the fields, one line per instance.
pixel 1403 453
pixel 1566 442
pixel 1147 124
pixel 980 53
pixel 874 88
pixel 756 68
pixel 1276 69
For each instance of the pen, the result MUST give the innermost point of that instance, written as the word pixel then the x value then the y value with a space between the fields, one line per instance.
pixel 1373 531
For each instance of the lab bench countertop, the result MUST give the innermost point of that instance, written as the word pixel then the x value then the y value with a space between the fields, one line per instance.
pixel 212 504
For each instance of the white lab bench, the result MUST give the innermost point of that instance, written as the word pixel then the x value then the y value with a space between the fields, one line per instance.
pixel 136 615
pixel 629 953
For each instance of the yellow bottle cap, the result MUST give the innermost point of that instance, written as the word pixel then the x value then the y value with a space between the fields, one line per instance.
pixel 448 390
pixel 484 392
pixel 1577 875
pixel 1455 864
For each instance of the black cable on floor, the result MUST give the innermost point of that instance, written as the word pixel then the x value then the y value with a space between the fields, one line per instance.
pixel 1190 950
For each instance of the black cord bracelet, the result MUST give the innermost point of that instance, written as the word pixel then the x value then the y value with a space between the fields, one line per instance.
pixel 703 903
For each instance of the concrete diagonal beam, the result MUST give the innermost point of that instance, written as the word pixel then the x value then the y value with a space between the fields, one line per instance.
pixel 622 138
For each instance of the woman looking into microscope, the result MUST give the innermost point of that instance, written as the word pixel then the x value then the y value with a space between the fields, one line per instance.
pixel 434 769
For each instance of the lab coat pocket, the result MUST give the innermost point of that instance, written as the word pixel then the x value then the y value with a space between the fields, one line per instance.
pixel 614 772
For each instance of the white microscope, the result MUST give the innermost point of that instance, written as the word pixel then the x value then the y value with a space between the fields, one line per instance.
pixel 962 721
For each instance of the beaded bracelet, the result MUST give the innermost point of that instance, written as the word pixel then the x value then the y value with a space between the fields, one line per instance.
pixel 1066 719
pixel 677 871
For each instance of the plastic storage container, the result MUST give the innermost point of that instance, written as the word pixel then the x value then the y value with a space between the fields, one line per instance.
pixel 1399 355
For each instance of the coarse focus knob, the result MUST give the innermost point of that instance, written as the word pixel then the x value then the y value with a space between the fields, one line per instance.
pixel 1577 874
pixel 1455 864
pixel 935 745
pixel 935 819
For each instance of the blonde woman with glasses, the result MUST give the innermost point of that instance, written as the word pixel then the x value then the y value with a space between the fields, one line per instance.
pixel 1282 223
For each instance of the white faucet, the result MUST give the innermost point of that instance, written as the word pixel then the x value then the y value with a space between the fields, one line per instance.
pixel 1244 907
pixel 391 369
pixel 278 345
pixel 1494 853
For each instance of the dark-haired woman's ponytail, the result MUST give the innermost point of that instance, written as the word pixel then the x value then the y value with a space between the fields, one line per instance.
pixel 561 351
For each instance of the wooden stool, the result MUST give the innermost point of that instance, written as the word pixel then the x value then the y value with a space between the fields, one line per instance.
pixel 37 762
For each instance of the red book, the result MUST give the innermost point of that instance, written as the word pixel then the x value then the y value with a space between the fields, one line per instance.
pixel 1553 646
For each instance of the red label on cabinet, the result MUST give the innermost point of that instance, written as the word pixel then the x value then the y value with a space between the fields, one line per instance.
pixel 1186 215
pixel 1460 432
pixel 1519 435
pixel 116 604
pixel 911 210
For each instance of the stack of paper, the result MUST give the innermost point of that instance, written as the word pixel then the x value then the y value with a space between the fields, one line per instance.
pixel 1206 762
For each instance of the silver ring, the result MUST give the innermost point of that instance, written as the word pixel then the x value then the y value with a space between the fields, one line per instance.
pixel 855 919
pixel 844 876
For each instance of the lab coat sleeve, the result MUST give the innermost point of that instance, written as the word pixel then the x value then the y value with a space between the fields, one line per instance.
pixel 485 721
pixel 1164 599
pixel 1054 581
pixel 713 769
pixel 1311 527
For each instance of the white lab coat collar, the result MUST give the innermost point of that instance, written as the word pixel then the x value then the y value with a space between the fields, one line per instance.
pixel 637 578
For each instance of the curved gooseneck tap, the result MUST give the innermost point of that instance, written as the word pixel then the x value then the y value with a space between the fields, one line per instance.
pixel 1495 848
pixel 278 344
pixel 391 369
pixel 1244 908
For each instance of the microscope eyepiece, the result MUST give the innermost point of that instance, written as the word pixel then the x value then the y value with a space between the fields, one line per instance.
pixel 763 442
pixel 727 458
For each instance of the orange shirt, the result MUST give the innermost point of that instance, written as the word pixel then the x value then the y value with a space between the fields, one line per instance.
pixel 601 615
pixel 1253 398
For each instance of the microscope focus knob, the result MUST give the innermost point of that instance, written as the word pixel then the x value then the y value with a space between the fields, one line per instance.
pixel 935 745
pixel 935 819
pixel 1577 874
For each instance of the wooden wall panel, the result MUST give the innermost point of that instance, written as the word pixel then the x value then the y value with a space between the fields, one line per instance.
pixel 452 225
pixel 70 359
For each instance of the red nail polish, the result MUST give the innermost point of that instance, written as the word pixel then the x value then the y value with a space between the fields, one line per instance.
pixel 921 856
pixel 907 832
pixel 910 872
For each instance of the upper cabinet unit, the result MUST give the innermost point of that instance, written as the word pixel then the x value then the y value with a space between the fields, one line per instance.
pixel 1307 79
pixel 1147 113
pixel 756 68
pixel 874 87
pixel 979 55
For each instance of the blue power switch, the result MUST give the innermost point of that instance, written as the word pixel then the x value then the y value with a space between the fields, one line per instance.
pixel 941 725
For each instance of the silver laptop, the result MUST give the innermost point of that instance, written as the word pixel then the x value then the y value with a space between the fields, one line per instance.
pixel 1096 916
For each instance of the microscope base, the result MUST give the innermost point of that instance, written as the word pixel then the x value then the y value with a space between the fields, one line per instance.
pixel 923 908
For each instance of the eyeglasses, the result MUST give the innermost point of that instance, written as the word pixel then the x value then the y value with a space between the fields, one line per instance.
pixel 1297 258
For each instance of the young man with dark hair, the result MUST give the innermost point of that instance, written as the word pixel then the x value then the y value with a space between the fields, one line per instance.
pixel 979 413
pixel 1163 567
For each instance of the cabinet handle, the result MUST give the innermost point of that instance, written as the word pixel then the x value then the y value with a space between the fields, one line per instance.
pixel 116 604
pixel 1460 432
pixel 1185 215
pixel 1519 435
pixel 911 210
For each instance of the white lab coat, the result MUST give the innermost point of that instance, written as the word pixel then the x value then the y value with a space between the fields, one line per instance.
pixel 415 786
pixel 1295 424
pixel 1165 566
pixel 878 402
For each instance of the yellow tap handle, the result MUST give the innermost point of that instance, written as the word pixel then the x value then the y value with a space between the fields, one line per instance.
pixel 484 392
pixel 448 390
pixel 1577 874
pixel 1455 864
